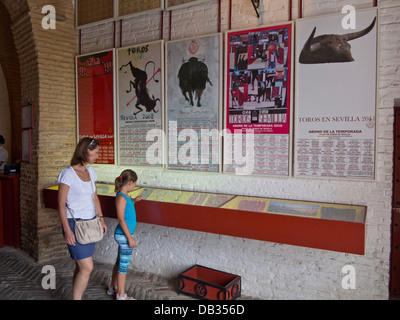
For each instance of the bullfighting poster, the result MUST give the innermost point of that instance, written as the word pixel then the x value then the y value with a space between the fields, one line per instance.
pixel 95 101
pixel 193 95
pixel 258 101
pixel 336 72
pixel 140 104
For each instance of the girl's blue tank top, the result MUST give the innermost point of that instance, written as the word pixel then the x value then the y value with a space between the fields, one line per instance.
pixel 130 215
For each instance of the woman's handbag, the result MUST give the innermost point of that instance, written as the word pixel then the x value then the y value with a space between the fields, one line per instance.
pixel 88 231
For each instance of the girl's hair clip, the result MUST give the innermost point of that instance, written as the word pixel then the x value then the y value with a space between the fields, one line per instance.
pixel 120 177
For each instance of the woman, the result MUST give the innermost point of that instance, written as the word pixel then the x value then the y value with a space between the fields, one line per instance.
pixel 77 193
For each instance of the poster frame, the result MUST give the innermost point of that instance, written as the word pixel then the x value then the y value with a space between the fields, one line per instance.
pixel 183 5
pixel 27 116
pixel 114 100
pixel 94 23
pixel 290 94
pixel 295 114
pixel 134 14
pixel 220 102
pixel 162 101
pixel 26 143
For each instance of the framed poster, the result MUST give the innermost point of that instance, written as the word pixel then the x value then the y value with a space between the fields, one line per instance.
pixel 258 101
pixel 140 84
pixel 27 145
pixel 130 7
pixel 176 4
pixel 95 101
pixel 90 12
pixel 27 112
pixel 193 95
pixel 336 80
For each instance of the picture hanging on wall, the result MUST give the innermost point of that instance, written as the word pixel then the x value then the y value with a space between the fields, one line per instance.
pixel 258 101
pixel 193 95
pixel 336 72
pixel 91 12
pixel 27 145
pixel 27 113
pixel 140 104
pixel 176 4
pixel 130 7
pixel 95 101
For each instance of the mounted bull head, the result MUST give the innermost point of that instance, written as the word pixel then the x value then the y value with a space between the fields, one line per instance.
pixel 330 48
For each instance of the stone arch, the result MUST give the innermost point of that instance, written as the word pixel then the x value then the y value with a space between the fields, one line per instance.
pixel 46 59
pixel 10 65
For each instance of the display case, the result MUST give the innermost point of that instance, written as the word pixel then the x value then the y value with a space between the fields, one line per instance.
pixel 327 226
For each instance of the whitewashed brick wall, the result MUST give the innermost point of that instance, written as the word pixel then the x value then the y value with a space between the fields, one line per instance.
pixel 268 270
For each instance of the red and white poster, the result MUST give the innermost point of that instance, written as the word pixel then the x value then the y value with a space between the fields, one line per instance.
pixel 258 100
pixel 95 101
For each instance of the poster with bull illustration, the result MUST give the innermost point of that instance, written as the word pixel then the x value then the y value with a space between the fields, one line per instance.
pixel 193 95
pixel 258 101
pixel 140 104
pixel 336 96
pixel 95 101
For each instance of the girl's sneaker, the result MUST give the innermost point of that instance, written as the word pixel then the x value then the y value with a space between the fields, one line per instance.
pixel 124 297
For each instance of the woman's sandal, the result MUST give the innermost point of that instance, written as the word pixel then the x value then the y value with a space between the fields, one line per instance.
pixel 112 291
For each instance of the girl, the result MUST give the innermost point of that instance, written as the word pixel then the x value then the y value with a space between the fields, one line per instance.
pixel 126 214
pixel 77 193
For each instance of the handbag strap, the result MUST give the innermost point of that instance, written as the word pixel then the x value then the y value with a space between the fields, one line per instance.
pixel 94 203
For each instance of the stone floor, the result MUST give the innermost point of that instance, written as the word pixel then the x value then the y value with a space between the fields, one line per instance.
pixel 21 279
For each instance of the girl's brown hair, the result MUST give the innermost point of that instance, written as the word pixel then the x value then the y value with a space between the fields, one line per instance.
pixel 126 176
pixel 80 154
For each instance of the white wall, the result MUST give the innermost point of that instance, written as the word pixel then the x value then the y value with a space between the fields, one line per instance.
pixel 268 270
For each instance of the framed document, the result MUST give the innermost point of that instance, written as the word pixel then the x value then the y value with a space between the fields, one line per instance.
pixel 27 145
pixel 140 84
pixel 193 96
pixel 336 72
pixel 27 116
pixel 177 4
pixel 91 12
pixel 95 101
pixel 258 101
pixel 132 7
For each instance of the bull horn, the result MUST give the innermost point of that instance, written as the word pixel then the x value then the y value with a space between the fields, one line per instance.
pixel 307 45
pixel 355 35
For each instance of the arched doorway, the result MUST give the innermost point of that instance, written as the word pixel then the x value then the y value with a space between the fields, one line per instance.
pixel 39 68
pixel 10 68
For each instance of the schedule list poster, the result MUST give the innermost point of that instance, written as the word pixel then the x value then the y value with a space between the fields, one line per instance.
pixel 258 97
pixel 140 104
pixel 95 101
pixel 336 97
pixel 193 110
